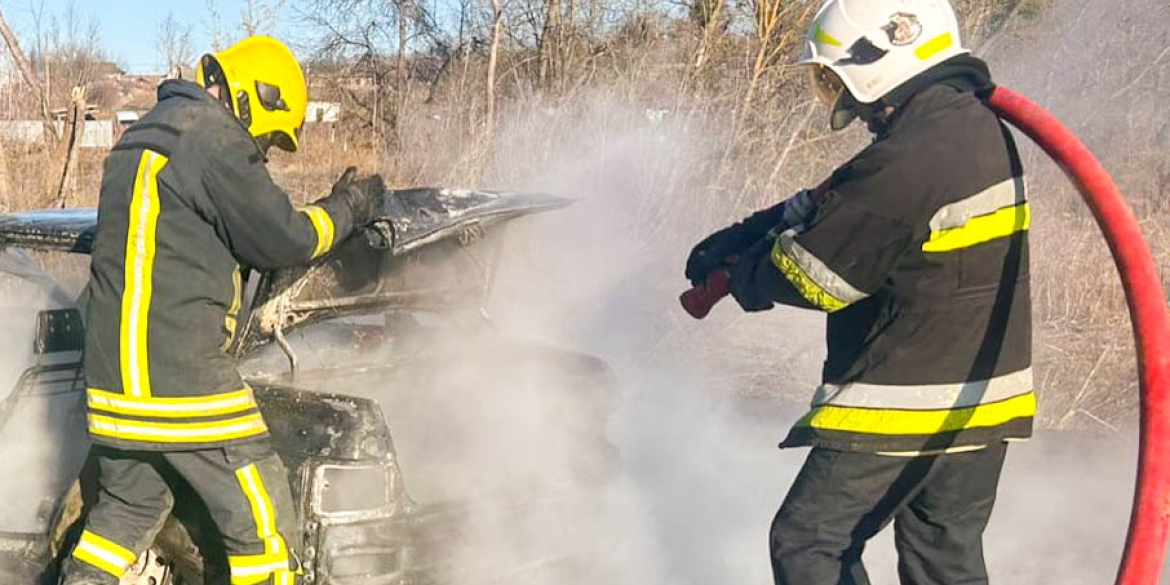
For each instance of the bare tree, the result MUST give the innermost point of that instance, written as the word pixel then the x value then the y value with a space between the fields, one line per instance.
pixel 68 52
pixel 370 44
pixel 775 37
pixel 27 73
pixel 172 41
pixel 213 26
pixel 546 44
pixel 493 61
pixel 711 17
pixel 259 17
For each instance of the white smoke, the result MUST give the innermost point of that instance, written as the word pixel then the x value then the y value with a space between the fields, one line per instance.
pixel 702 405
pixel 701 477
pixel 42 433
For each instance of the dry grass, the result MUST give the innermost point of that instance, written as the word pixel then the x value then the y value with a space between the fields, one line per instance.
pixel 685 126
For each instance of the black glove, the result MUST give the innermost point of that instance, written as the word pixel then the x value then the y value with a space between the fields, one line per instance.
pixel 712 253
pixel 363 197
pixel 743 277
pixel 347 180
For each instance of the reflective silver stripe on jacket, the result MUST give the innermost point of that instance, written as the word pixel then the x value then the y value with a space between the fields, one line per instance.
pixel 1006 194
pixel 926 396
pixel 823 276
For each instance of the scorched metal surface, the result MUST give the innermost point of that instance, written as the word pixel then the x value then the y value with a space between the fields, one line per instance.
pixel 431 250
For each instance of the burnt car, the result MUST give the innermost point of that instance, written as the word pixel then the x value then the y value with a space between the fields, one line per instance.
pixel 389 331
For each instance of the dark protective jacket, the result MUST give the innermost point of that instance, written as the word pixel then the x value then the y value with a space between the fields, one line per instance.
pixel 919 254
pixel 186 201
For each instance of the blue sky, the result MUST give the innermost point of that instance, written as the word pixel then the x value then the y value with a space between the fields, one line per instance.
pixel 128 27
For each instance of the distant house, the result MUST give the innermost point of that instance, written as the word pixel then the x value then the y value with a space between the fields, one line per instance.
pixel 125 117
pixel 323 112
pixel 22 131
pixel 98 134
pixel 8 73
pixel 61 114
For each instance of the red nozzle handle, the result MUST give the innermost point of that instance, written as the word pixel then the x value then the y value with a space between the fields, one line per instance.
pixel 699 301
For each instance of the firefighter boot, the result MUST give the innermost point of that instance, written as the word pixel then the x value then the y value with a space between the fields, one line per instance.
pixel 78 573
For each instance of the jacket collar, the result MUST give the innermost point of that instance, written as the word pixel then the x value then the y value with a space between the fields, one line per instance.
pixel 183 89
pixel 962 74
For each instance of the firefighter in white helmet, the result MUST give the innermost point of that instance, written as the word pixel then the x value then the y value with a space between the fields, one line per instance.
pixel 917 249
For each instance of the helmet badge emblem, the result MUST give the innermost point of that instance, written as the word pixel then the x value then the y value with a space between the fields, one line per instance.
pixel 903 29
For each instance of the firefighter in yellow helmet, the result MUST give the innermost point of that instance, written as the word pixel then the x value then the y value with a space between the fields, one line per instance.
pixel 261 82
pixel 187 207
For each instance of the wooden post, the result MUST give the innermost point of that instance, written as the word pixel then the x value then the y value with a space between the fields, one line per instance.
pixel 76 130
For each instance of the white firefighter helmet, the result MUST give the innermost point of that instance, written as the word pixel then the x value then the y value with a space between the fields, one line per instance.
pixel 871 47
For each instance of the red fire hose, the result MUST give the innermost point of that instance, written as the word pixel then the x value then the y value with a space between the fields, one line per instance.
pixel 1149 526
pixel 1145 547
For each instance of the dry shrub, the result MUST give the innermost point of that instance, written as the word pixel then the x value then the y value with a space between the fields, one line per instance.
pixel 677 121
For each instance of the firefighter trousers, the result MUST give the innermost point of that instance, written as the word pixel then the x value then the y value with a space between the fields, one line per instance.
pixel 939 506
pixel 244 487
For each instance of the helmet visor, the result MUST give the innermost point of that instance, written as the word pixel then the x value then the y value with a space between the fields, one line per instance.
pixel 831 91
pixel 826 84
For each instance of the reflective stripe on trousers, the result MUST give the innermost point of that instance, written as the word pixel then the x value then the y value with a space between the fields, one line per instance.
pixel 274 561
pixel 104 554
pixel 244 487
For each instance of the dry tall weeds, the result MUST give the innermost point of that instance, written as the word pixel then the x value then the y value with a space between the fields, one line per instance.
pixel 492 93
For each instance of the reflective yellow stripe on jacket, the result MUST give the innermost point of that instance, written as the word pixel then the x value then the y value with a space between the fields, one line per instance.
pixel 323 225
pixel 191 420
pixel 191 407
pixel 230 320
pixel 176 432
pixel 922 409
pixel 997 212
pixel 139 275
pixel 815 281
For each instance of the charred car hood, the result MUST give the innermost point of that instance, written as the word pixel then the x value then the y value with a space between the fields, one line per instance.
pixel 429 249
pixel 417 217
pixel 61 230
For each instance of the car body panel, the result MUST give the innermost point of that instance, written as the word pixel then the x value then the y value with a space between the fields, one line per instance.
pixel 432 251
pixel 402 261
pixel 53 230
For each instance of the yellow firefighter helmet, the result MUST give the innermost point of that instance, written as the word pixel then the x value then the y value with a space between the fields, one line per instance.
pixel 262 83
